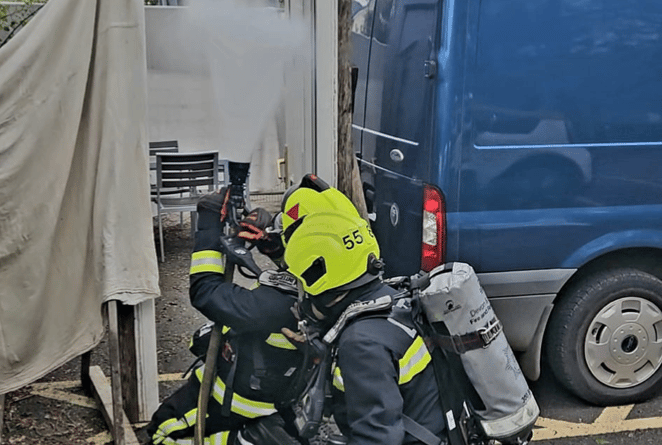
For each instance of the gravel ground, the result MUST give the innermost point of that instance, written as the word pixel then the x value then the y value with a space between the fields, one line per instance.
pixel 55 410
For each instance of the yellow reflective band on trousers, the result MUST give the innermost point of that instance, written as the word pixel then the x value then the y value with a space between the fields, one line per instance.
pixel 415 360
pixel 250 409
pixel 221 438
pixel 280 341
pixel 207 261
pixel 171 425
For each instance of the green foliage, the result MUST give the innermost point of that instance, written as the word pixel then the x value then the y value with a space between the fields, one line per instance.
pixel 14 17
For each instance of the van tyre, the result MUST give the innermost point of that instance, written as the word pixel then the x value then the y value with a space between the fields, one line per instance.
pixel 604 341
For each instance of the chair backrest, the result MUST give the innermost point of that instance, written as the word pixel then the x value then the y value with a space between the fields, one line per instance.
pixel 224 172
pixel 163 147
pixel 187 170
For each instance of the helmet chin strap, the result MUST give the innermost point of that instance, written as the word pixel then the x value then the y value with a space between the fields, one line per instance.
pixel 337 299
pixel 332 303
pixel 317 313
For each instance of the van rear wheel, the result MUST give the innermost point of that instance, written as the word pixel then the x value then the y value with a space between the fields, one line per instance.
pixel 604 341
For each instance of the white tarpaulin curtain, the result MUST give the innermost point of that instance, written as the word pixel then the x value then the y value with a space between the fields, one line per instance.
pixel 75 217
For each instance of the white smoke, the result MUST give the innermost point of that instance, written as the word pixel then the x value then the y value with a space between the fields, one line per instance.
pixel 245 48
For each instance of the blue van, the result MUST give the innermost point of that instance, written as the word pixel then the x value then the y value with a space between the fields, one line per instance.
pixel 524 137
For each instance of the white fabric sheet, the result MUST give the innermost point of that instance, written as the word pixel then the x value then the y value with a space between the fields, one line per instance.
pixel 75 218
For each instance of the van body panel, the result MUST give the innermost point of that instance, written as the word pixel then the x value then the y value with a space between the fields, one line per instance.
pixel 520 317
pixel 362 21
pixel 543 156
pixel 519 299
pixel 525 282
pixel 398 102
pixel 615 241
pixel 405 80
pixel 546 239
pixel 540 122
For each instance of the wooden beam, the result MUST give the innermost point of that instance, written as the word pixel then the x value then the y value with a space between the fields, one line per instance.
pixel 2 414
pixel 127 359
pixel 139 368
pixel 349 177
pixel 103 395
pixel 115 373
pixel 85 361
pixel 147 372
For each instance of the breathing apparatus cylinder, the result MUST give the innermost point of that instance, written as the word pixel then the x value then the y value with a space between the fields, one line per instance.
pixel 456 298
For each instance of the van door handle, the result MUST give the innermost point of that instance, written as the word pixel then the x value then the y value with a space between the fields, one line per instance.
pixel 430 65
pixel 430 69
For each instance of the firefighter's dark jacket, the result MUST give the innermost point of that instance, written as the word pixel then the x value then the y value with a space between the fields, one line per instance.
pixel 266 361
pixel 384 370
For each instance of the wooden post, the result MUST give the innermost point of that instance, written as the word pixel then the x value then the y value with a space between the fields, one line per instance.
pixel 127 358
pixel 146 367
pixel 85 361
pixel 102 393
pixel 349 178
pixel 137 348
pixel 2 414
pixel 115 373
pixel 139 368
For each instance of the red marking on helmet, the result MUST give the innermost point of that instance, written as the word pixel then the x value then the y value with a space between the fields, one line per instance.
pixel 293 212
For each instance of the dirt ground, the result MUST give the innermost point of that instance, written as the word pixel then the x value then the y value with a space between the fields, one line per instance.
pixel 55 410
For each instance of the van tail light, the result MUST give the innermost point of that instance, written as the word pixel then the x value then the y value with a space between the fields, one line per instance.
pixel 433 243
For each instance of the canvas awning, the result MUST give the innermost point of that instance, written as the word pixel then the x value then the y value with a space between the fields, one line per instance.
pixel 75 217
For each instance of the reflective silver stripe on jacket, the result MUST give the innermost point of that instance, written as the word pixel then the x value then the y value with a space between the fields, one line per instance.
pixel 412 363
pixel 207 261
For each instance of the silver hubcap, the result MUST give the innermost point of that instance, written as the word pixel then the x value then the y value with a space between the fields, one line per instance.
pixel 623 346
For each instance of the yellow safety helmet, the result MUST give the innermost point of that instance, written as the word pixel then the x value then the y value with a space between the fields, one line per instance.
pixel 328 250
pixel 312 195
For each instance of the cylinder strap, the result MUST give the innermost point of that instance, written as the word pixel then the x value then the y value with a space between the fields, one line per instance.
pixel 460 344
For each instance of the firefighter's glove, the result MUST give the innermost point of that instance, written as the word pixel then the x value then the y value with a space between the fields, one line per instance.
pixel 213 209
pixel 269 430
pixel 254 229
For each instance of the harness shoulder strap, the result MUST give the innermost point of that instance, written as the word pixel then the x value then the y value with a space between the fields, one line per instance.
pixel 226 407
pixel 284 281
pixel 419 431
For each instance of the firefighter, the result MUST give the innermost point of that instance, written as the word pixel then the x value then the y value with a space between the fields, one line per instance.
pixel 256 363
pixel 252 318
pixel 384 388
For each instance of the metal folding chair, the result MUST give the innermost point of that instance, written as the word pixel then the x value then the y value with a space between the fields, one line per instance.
pixel 191 175
pixel 163 147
